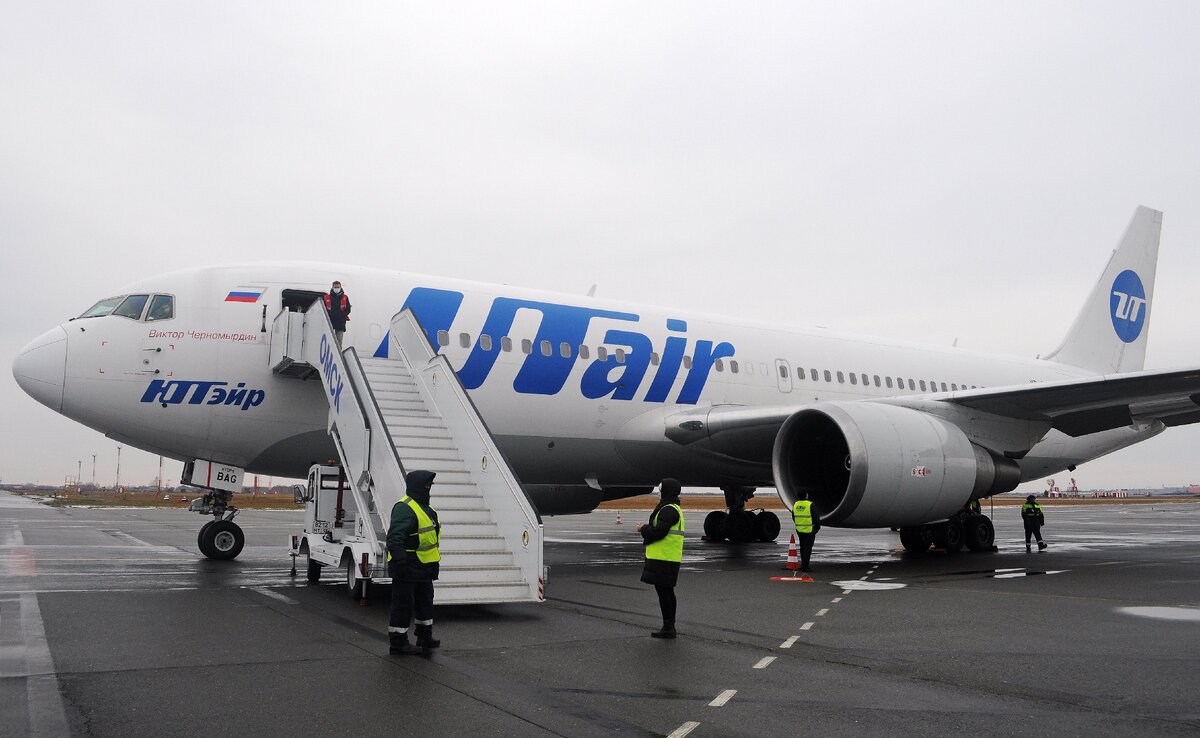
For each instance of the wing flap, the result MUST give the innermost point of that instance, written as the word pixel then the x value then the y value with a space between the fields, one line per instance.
pixel 1079 407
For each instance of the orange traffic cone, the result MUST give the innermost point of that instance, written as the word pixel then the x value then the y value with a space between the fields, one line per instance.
pixel 793 561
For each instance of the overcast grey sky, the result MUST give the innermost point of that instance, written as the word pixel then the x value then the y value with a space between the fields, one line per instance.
pixel 924 171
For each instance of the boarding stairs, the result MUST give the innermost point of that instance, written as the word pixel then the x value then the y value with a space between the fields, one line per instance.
pixel 408 411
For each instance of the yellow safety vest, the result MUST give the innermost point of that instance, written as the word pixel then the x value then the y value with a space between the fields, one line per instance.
pixel 669 548
pixel 427 534
pixel 802 516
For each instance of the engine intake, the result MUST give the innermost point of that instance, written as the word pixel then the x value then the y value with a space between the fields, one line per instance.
pixel 868 465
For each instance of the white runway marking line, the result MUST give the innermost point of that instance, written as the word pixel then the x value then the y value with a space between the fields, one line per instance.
pixel 684 729
pixel 788 643
pixel 822 611
pixel 836 600
pixel 765 662
pixel 807 626
pixel 723 698
pixel 274 595
pixel 862 579
pixel 845 591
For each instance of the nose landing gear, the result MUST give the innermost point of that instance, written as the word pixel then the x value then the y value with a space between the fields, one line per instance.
pixel 221 538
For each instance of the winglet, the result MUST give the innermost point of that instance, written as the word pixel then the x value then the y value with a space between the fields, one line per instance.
pixel 1110 333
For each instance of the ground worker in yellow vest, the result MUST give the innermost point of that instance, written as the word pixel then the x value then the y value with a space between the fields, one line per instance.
pixel 808 522
pixel 1033 518
pixel 413 556
pixel 663 537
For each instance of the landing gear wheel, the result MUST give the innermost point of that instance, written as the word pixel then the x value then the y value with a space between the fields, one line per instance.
pixel 222 540
pixel 355 587
pixel 201 540
pixel 714 525
pixel 739 526
pixel 979 533
pixel 766 526
pixel 314 570
pixel 949 536
pixel 915 540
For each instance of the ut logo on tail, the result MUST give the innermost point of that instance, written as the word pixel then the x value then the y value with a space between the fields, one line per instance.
pixel 1128 306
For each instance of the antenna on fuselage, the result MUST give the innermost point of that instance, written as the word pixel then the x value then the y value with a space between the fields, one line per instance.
pixel 264 323
pixel 591 291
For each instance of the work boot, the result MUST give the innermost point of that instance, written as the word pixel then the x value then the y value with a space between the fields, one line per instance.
pixel 425 637
pixel 400 645
pixel 1042 545
pixel 1028 548
pixel 667 631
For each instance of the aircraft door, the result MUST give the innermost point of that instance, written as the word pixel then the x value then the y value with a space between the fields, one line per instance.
pixel 783 374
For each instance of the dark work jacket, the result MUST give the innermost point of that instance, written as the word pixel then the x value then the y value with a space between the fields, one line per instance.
pixel 655 571
pixel 1033 518
pixel 339 310
pixel 402 535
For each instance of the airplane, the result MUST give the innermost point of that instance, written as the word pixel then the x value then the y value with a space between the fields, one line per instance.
pixel 593 400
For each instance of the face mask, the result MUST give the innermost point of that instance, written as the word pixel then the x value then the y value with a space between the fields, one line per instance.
pixel 337 290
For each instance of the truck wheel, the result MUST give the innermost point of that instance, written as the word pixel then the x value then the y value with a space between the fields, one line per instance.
pixel 314 569
pixel 353 582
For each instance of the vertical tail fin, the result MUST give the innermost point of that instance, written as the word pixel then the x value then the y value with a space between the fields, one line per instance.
pixel 1110 333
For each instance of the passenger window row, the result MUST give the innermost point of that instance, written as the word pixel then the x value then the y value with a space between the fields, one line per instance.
pixel 868 380
pixel 566 351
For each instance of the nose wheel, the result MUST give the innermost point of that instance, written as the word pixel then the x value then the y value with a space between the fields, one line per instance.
pixel 221 540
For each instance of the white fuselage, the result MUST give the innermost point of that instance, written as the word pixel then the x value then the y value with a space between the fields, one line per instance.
pixel 557 410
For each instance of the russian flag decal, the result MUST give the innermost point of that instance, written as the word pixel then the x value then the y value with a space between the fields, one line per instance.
pixel 245 294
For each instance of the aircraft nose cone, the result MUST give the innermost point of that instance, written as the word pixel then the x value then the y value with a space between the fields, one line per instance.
pixel 41 368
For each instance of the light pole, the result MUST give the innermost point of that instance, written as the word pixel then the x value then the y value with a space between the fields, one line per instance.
pixel 78 475
pixel 93 471
pixel 118 489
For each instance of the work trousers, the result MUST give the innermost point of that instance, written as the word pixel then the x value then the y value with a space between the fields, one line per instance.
pixel 408 596
pixel 666 603
pixel 806 544
pixel 1033 532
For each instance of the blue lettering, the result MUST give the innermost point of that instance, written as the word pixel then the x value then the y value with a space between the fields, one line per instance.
pixel 539 374
pixel 199 392
pixel 702 363
pixel 596 382
pixel 668 368
pixel 435 311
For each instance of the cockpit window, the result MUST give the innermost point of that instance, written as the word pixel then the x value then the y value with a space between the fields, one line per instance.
pixel 132 306
pixel 162 307
pixel 104 307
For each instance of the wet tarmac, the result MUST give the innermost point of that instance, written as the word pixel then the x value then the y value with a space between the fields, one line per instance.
pixel 112 624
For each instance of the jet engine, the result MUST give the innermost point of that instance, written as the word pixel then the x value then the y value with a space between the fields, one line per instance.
pixel 867 465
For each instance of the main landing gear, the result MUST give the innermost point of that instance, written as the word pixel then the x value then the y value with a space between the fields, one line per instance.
pixel 973 530
pixel 220 538
pixel 740 525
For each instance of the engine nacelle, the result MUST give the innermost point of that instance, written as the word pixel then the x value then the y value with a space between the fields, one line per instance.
pixel 869 465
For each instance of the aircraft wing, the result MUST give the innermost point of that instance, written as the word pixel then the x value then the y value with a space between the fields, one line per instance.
pixel 1078 407
pixel 1008 419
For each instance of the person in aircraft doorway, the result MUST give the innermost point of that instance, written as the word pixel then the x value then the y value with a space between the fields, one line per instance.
pixel 338 306
pixel 413 556
pixel 808 522
pixel 663 538
pixel 1034 519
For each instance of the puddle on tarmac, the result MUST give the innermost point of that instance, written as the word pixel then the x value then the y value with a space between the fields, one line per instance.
pixel 853 584
pixel 1187 614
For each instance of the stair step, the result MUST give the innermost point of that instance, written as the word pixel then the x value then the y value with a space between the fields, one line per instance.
pixel 427 423
pixel 453 517
pixel 469 594
pixel 424 444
